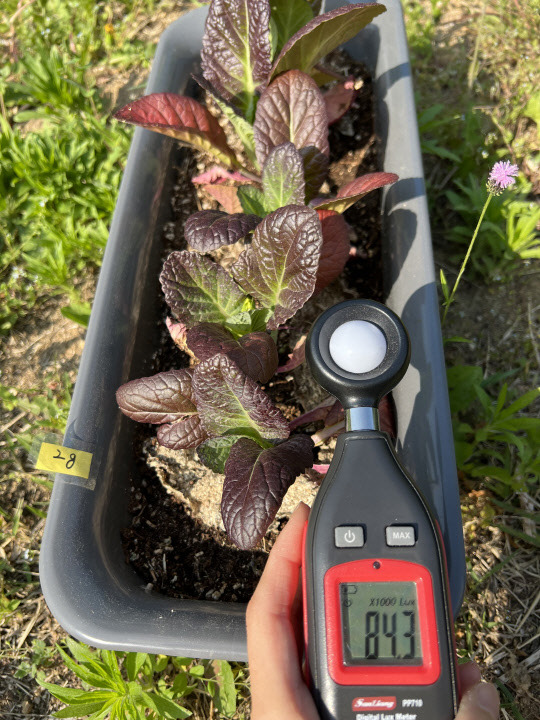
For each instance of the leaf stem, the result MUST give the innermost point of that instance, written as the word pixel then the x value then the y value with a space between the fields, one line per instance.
pixel 327 432
pixel 467 256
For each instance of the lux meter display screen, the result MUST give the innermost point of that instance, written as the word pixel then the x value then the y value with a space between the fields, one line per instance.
pixel 380 623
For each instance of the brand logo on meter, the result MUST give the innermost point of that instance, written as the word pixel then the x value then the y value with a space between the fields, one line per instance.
pixel 373 703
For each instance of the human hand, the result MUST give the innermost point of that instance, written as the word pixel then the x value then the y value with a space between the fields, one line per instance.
pixel 479 700
pixel 275 641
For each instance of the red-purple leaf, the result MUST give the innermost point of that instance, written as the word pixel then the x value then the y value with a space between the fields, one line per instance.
pixel 188 433
pixel 198 289
pixel 323 34
pixel 161 398
pixel 218 175
pixel 297 356
pixel 335 414
pixel 181 118
pixel 355 190
pixel 387 416
pixel 312 416
pixel 236 51
pixel 283 178
pixel 226 195
pixel 315 170
pixel 208 230
pixel 255 354
pixel 291 109
pixel 339 99
pixel 280 266
pixel 335 248
pixel 178 332
pixel 256 482
pixel 229 401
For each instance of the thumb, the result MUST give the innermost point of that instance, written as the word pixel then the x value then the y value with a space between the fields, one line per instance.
pixel 480 702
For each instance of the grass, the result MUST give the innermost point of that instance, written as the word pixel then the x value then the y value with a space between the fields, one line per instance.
pixel 64 62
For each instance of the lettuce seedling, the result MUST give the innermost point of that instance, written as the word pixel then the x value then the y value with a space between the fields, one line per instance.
pixel 278 270
pixel 247 46
pixel 260 65
pixel 220 409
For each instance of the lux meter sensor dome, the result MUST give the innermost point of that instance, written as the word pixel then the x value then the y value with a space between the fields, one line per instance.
pixel 357 346
pixel 357 351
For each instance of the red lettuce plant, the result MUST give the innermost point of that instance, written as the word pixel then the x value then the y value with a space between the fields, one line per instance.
pixel 260 66
pixel 247 46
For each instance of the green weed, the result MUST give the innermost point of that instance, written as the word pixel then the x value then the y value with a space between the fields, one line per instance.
pixel 58 187
pixel 38 659
pixel 46 409
pixel 493 440
pixel 128 685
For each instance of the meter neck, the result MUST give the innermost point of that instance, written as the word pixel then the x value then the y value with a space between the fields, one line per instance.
pixel 361 418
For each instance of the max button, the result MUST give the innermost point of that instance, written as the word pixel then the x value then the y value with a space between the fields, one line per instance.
pixel 400 536
pixel 349 536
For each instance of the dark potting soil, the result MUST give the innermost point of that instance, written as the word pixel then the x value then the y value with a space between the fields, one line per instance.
pixel 174 552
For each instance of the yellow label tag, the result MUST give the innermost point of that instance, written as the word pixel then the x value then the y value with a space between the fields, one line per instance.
pixel 59 459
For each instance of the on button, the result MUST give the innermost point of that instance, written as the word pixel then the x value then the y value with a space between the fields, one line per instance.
pixel 349 536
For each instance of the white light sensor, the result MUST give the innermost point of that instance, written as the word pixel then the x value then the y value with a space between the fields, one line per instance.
pixel 358 346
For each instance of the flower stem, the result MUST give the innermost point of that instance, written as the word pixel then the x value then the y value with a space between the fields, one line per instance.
pixel 467 256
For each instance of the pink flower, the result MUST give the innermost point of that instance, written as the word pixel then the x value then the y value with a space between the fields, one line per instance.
pixel 503 175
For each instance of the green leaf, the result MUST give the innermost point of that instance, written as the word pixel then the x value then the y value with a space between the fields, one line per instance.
pixel 288 16
pixel 78 313
pixel 456 339
pixel 111 662
pixel 248 321
pixel 199 290
pixel 520 404
pixel 283 178
pixel 432 147
pixel 463 451
pixel 279 268
pixel 242 128
pixel 444 286
pixel 322 35
pixel 160 663
pixel 462 380
pixel 133 663
pixel 197 671
pixel 75 695
pixel 532 110
pixel 180 684
pixel 82 653
pixel 252 200
pixel 98 679
pixel 213 453
pixel 225 698
pixel 80 711
pixel 164 707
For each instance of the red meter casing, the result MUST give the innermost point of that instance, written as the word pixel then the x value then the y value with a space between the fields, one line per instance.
pixel 378 622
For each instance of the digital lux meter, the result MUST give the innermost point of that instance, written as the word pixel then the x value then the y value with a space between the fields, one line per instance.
pixel 377 614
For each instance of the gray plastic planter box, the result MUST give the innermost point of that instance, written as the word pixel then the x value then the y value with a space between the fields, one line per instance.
pixel 88 586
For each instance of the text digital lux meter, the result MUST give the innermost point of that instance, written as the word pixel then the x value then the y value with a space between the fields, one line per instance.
pixel 377 610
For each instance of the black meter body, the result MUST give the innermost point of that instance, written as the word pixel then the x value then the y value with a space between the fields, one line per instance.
pixel 377 612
